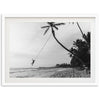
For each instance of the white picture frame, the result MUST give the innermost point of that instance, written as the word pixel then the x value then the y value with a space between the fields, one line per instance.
pixel 92 81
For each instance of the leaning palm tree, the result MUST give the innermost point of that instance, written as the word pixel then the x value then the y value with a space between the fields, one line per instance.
pixel 52 26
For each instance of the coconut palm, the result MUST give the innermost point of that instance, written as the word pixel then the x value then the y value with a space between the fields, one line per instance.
pixel 52 26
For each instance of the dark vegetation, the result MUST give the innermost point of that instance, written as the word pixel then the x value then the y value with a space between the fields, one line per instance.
pixel 63 65
pixel 81 48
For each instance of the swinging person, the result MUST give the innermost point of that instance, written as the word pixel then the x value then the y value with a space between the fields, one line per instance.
pixel 32 62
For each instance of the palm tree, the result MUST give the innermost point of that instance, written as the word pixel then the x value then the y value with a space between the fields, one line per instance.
pixel 52 26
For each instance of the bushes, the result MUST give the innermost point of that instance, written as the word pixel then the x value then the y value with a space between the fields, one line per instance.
pixel 64 65
pixel 81 48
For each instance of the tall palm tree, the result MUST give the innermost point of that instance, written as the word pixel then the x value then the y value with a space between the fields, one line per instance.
pixel 52 26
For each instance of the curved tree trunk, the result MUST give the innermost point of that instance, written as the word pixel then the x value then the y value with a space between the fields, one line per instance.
pixel 66 48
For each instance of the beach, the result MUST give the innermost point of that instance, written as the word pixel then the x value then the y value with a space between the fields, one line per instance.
pixel 46 73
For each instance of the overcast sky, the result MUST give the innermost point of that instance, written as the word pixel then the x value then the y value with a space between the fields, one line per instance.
pixel 26 39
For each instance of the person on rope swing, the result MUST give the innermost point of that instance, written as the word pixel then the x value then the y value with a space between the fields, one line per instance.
pixel 32 62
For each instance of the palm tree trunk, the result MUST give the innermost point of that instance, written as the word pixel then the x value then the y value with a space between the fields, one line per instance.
pixel 80 29
pixel 53 32
pixel 83 35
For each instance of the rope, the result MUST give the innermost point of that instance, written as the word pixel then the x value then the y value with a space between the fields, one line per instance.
pixel 42 47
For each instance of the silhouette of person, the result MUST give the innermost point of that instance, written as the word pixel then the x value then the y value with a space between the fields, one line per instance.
pixel 32 62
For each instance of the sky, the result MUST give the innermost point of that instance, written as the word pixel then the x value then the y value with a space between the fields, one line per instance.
pixel 26 40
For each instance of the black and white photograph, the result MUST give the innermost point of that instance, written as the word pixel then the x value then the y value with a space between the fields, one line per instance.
pixel 48 48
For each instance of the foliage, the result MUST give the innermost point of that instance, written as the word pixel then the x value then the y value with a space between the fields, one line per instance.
pixel 81 48
pixel 63 65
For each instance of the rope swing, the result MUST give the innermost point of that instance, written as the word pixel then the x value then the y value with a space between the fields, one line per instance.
pixel 33 61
